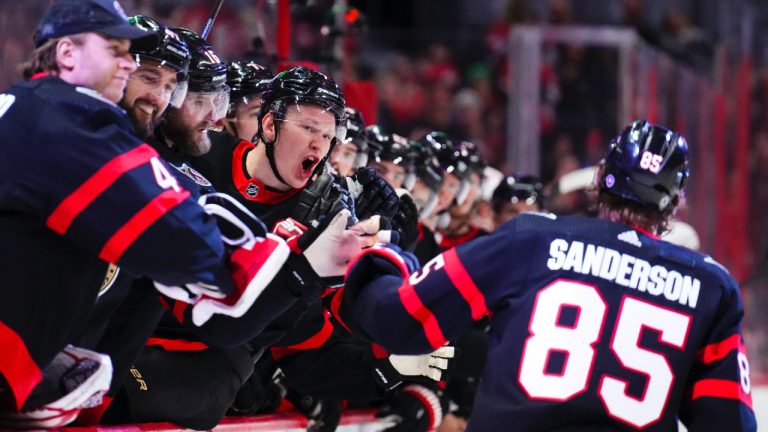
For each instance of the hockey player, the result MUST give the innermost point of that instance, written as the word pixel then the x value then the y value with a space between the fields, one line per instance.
pixel 351 153
pixel 246 81
pixel 597 324
pixel 389 154
pixel 160 78
pixel 460 229
pixel 104 199
pixel 515 195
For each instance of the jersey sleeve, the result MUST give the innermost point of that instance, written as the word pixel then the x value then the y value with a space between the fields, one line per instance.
pixel 419 312
pixel 92 181
pixel 719 395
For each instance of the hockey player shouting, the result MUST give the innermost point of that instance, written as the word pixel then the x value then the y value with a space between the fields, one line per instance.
pixel 597 324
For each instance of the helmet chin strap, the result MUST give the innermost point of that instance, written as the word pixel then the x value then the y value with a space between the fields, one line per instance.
pixel 269 148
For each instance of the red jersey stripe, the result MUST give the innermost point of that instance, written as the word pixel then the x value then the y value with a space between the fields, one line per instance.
pixel 125 236
pixel 17 366
pixel 716 351
pixel 421 313
pixel 723 389
pixel 464 284
pixel 315 341
pixel 69 208
pixel 176 344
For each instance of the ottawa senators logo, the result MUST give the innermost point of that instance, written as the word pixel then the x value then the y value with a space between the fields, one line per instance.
pixel 194 175
pixel 251 190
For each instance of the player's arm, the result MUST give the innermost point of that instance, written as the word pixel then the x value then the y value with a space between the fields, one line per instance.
pixel 418 312
pixel 277 307
pixel 719 396
pixel 116 198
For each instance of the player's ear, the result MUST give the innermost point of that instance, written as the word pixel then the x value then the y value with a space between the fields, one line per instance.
pixel 268 127
pixel 65 53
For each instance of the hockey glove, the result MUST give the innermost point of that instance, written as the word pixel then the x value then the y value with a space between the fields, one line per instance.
pixel 389 372
pixel 406 221
pixel 76 379
pixel 429 365
pixel 256 257
pixel 322 198
pixel 415 408
pixel 372 194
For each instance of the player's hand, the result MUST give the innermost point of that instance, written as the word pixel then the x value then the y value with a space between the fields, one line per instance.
pixel 429 365
pixel 372 194
pixel 329 246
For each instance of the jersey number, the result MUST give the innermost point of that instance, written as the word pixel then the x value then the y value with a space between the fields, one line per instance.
pixel 163 178
pixel 576 342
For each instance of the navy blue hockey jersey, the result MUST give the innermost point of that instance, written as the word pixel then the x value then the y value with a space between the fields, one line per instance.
pixel 78 190
pixel 595 326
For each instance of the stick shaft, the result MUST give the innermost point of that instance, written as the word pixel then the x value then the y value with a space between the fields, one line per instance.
pixel 211 19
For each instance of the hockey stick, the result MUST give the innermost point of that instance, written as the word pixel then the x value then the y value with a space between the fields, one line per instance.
pixel 211 19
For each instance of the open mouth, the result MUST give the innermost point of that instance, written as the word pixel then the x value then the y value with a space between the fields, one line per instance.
pixel 308 163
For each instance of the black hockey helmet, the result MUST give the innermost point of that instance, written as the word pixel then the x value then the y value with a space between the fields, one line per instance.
pixel 167 48
pixel 356 135
pixel 453 159
pixel 471 153
pixel 427 167
pixel 299 85
pixel 302 85
pixel 207 74
pixel 448 153
pixel 520 188
pixel 646 164
pixel 246 79
pixel 383 146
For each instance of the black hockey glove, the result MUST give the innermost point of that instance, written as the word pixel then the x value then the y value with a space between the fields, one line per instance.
pixel 406 221
pixel 255 258
pixel 323 198
pixel 415 408
pixel 372 194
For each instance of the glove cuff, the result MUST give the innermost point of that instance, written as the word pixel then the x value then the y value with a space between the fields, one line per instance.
pixel 430 401
pixel 386 375
pixel 299 277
